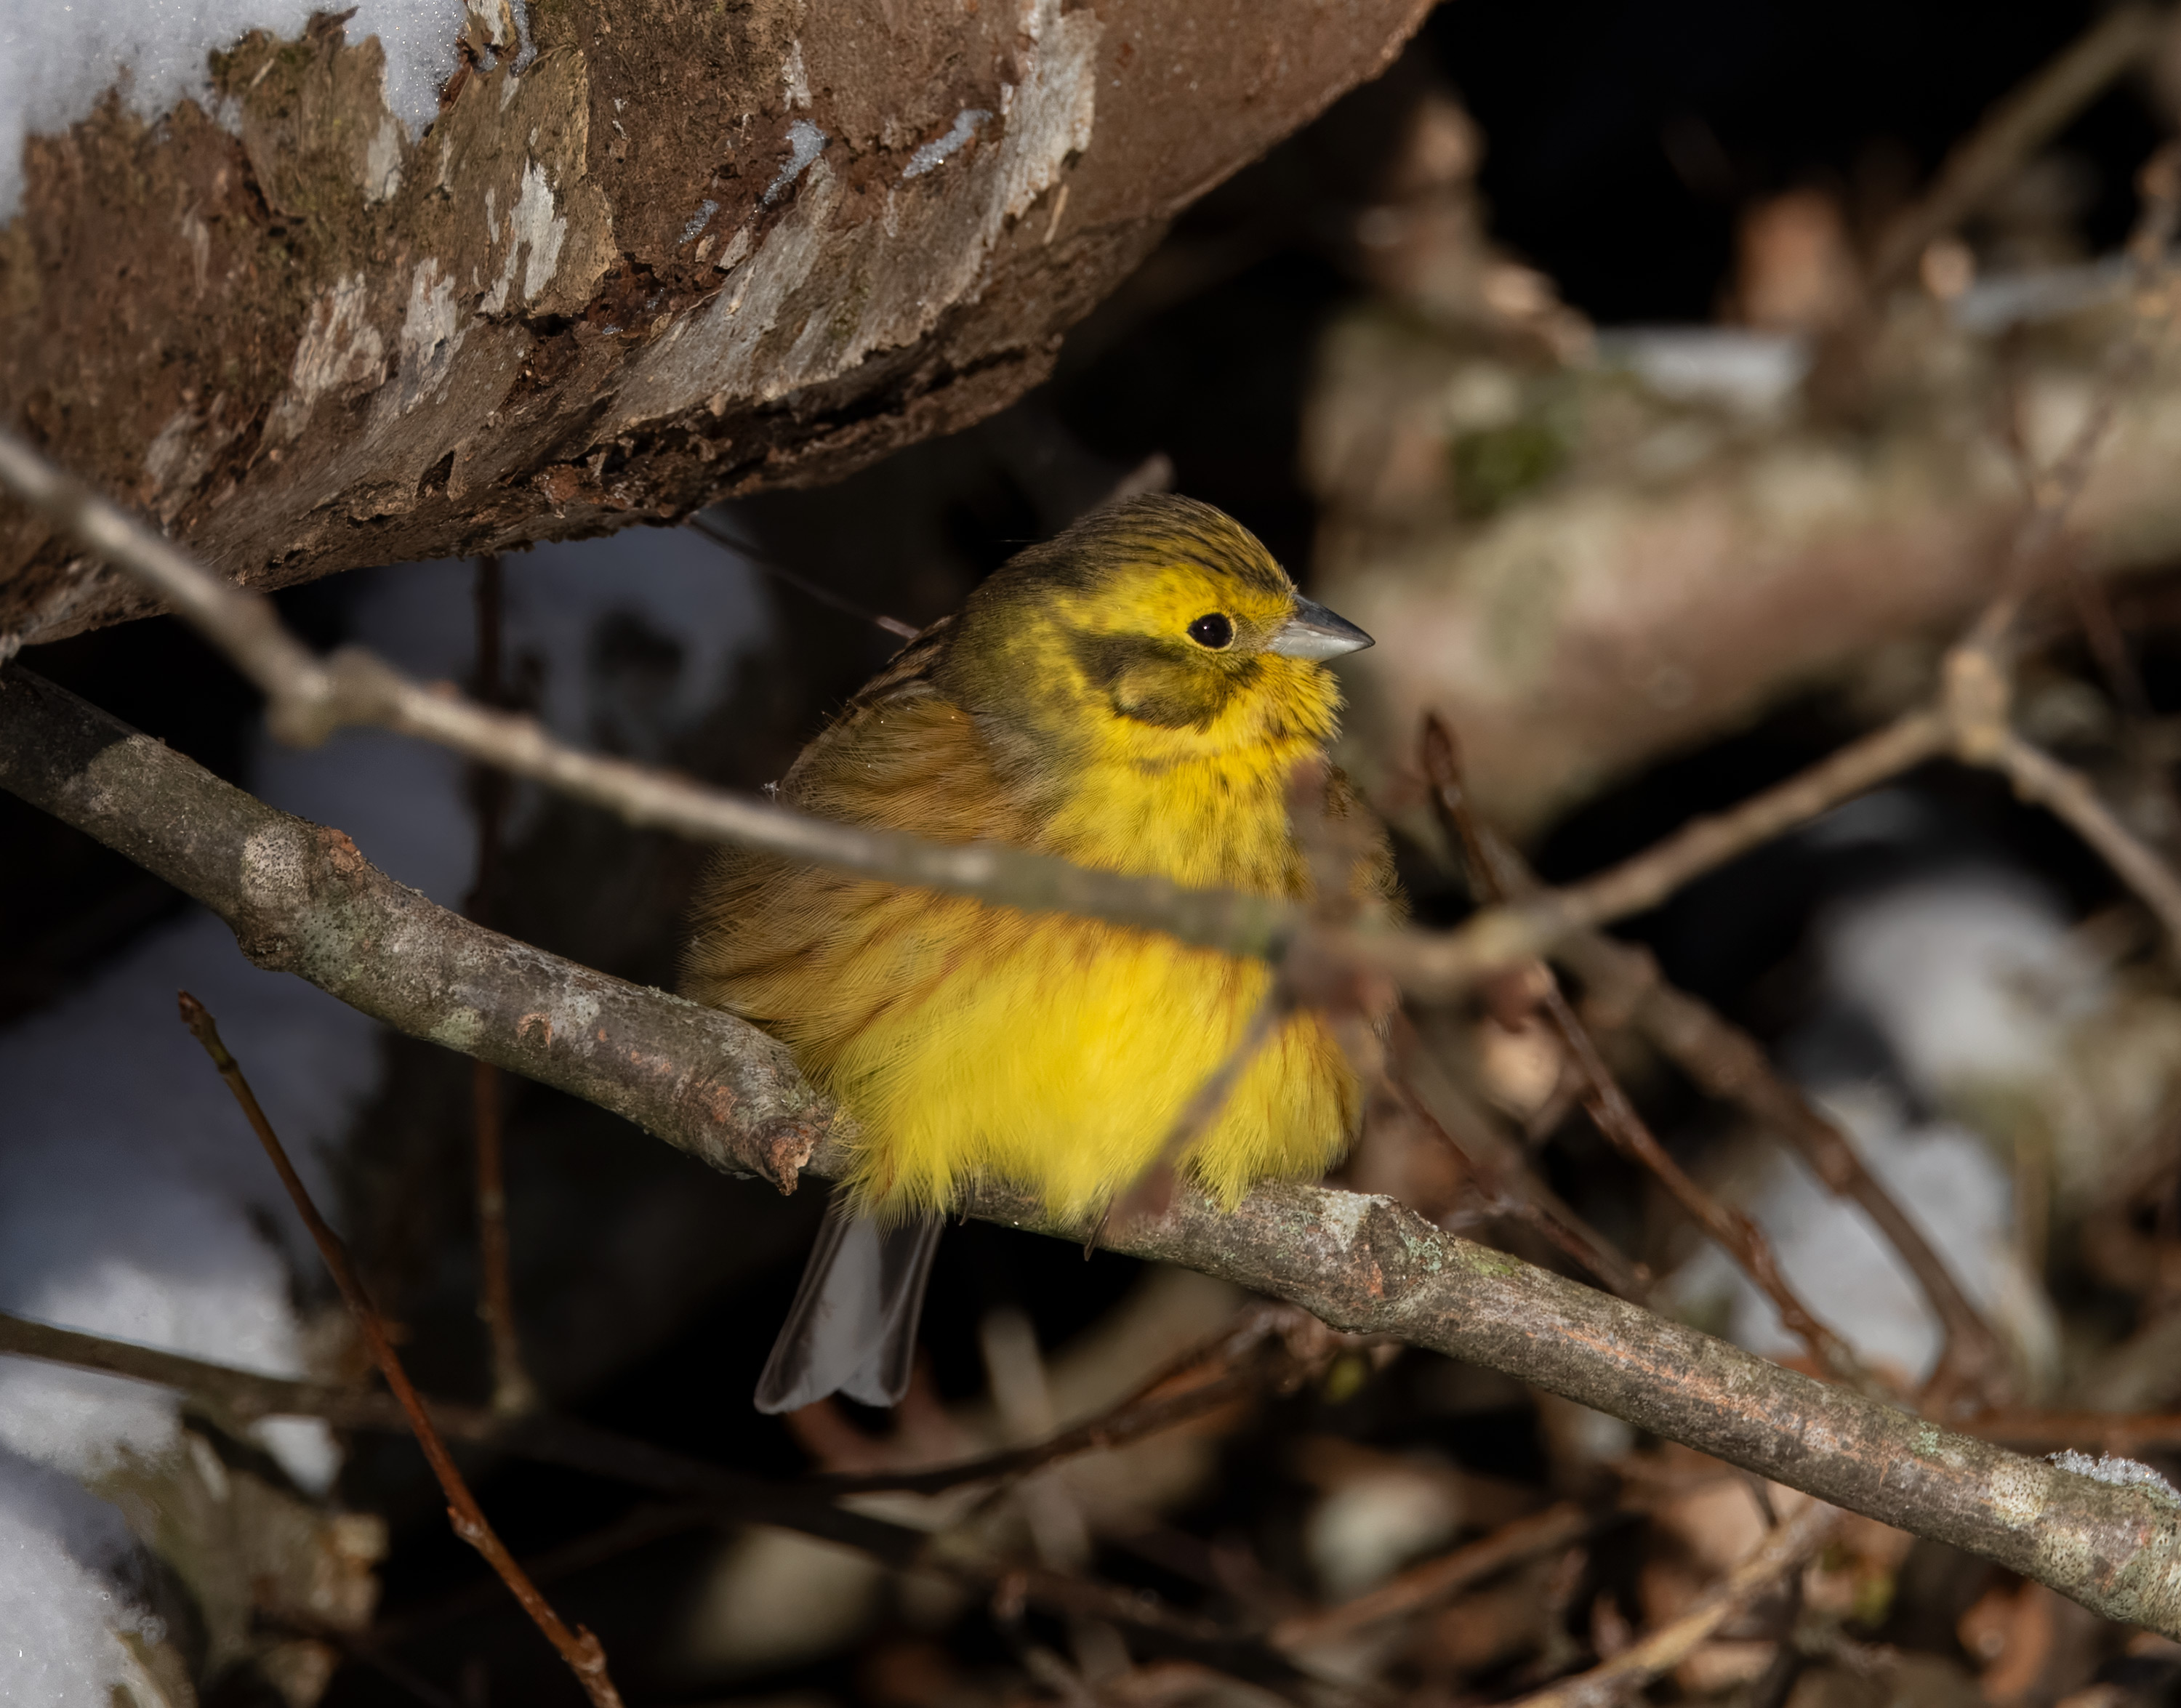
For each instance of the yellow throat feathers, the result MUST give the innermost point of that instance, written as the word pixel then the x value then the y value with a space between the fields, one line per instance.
pixel 1111 697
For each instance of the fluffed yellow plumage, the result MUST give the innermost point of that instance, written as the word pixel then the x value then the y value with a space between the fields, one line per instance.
pixel 1133 695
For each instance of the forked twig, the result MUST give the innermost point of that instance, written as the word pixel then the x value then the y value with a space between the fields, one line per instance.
pixel 1512 1185
pixel 1498 872
pixel 585 1655
pixel 1977 678
pixel 2053 491
pixel 512 1389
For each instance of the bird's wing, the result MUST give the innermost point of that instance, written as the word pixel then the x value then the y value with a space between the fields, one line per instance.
pixel 791 946
pixel 906 676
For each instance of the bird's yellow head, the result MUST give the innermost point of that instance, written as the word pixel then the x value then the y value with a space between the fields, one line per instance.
pixel 1157 631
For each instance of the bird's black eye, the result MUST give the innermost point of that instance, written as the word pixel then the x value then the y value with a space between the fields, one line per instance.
pixel 1212 629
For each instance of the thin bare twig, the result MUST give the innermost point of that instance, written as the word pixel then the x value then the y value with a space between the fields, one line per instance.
pixel 237 1398
pixel 1783 1551
pixel 1732 1230
pixel 1707 842
pixel 2053 491
pixel 512 1389
pixel 647 1525
pixel 1725 1062
pixel 585 1655
pixel 702 524
pixel 2072 798
pixel 1233 1366
pixel 1512 1185
pixel 1496 872
pixel 1427 1584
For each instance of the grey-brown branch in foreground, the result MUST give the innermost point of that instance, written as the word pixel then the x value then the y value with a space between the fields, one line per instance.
pixel 309 697
pixel 302 900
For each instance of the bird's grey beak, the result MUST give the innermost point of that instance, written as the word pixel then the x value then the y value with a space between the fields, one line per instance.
pixel 1314 632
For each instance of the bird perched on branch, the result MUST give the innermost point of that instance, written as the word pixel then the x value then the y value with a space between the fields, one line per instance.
pixel 1132 695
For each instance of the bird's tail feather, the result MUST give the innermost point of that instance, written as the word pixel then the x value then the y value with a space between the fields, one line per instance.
pixel 851 1329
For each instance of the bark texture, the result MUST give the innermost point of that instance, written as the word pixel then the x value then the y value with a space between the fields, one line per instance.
pixel 301 899
pixel 687 252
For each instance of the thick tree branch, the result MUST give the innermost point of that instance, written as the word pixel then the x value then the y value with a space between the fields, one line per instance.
pixel 301 899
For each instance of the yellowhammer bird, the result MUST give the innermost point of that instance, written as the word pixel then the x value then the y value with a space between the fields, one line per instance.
pixel 1133 695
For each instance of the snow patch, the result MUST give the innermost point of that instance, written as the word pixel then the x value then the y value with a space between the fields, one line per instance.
pixel 701 218
pixel 1970 975
pixel 2122 1473
pixel 64 1556
pixel 56 61
pixel 967 123
pixel 1948 1182
pixel 805 141
pixel 1755 373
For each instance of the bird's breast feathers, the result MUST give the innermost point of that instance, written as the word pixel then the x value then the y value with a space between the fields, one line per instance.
pixel 970 1039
